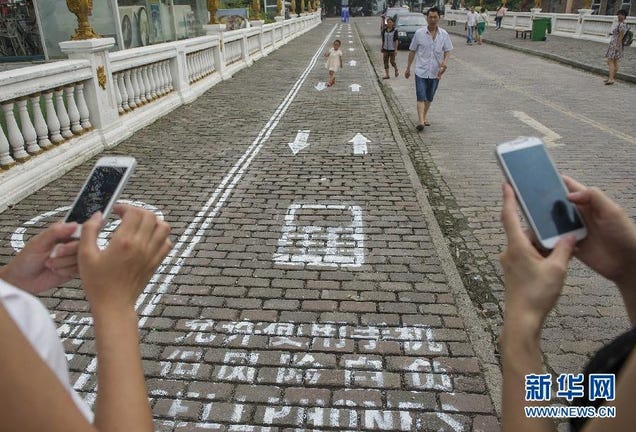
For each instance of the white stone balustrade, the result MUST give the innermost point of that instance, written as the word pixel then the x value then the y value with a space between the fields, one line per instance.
pixel 76 108
pixel 590 27
pixel 40 108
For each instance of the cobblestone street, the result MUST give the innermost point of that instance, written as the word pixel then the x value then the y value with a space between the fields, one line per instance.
pixel 334 269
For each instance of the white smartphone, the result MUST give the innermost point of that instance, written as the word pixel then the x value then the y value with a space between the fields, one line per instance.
pixel 101 190
pixel 540 191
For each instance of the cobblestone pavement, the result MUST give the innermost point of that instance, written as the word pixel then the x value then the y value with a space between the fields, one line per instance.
pixel 491 95
pixel 307 289
pixel 581 54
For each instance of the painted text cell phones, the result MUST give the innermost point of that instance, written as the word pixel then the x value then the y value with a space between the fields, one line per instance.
pixel 102 188
pixel 540 191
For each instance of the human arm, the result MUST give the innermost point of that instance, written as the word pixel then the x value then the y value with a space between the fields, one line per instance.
pixel 619 39
pixel 443 66
pixel 407 72
pixel 112 280
pixel 533 285
pixel 35 270
pixel 610 245
pixel 33 398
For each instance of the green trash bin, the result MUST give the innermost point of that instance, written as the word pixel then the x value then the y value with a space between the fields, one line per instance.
pixel 541 26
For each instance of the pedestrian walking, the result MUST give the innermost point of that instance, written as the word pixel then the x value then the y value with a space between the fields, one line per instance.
pixel 501 12
pixel 389 48
pixel 430 48
pixel 482 22
pixel 334 61
pixel 615 49
pixel 471 22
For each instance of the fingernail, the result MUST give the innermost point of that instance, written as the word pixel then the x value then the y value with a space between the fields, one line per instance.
pixel 55 251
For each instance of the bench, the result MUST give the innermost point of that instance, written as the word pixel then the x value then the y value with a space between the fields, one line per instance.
pixel 523 32
pixel 451 22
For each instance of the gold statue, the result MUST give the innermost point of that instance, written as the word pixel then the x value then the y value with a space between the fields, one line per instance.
pixel 537 3
pixel 213 6
pixel 293 7
pixel 279 7
pixel 302 6
pixel 82 9
pixel 256 8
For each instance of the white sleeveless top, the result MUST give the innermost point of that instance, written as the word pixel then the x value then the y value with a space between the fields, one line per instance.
pixel 36 325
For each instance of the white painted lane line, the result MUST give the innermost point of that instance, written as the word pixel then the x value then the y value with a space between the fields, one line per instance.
pixel 301 141
pixel 236 173
pixel 359 144
pixel 223 190
pixel 550 137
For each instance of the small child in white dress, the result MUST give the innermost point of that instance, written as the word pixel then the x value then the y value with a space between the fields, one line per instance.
pixel 334 61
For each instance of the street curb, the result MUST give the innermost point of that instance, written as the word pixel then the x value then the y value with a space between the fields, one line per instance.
pixel 553 57
pixel 479 338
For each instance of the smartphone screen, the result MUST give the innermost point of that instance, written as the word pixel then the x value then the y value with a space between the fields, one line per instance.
pixel 541 189
pixel 98 191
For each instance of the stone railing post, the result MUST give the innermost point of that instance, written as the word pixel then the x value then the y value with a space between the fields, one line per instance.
pixel 259 24
pixel 217 51
pixel 100 90
pixel 179 70
pixel 579 28
pixel 245 48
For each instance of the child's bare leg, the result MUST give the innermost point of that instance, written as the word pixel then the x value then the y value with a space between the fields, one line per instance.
pixel 332 77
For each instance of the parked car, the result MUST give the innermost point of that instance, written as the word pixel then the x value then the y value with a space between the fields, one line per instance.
pixel 393 12
pixel 406 27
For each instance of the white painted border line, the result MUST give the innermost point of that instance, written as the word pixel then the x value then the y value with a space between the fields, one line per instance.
pixel 233 176
pixel 550 137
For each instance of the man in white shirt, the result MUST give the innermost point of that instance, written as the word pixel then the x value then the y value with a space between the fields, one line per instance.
pixel 471 23
pixel 430 47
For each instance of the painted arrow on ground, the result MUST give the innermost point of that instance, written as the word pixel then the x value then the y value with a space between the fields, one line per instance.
pixel 355 87
pixel 359 144
pixel 321 86
pixel 352 63
pixel 300 142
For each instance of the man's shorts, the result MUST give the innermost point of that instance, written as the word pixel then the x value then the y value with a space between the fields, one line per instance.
pixel 425 88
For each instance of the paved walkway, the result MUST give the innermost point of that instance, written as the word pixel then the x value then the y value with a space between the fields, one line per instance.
pixel 327 280
pixel 490 95
pixel 579 53
pixel 310 286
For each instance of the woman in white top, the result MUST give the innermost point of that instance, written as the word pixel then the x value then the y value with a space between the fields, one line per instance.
pixel 36 393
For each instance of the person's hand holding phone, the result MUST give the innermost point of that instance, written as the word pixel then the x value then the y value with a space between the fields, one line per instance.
pixel 610 246
pixel 47 260
pixel 533 281
pixel 114 277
